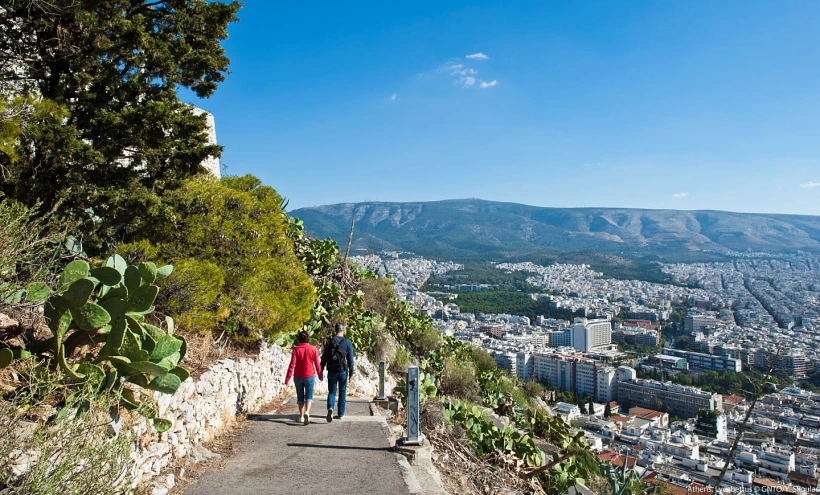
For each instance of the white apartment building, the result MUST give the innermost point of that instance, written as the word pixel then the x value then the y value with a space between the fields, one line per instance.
pixel 589 334
pixel 776 465
pixel 605 383
pixel 554 369
pixel 677 399
pixel 695 323
pixel 569 370
pixel 525 366
pixel 625 373
pixel 585 377
pixel 568 411
pixel 678 444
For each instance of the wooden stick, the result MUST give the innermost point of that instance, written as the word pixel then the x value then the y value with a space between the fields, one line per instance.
pixel 349 239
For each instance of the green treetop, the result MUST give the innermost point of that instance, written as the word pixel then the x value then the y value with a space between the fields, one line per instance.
pixel 114 68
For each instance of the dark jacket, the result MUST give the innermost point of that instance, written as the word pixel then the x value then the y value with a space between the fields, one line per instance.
pixel 347 348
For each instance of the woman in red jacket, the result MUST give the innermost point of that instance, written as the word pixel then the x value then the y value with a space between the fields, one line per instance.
pixel 304 364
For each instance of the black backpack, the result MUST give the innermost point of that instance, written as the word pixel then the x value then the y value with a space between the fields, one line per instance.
pixel 337 360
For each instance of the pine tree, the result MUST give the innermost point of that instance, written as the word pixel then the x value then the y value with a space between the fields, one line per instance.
pixel 607 410
pixel 122 136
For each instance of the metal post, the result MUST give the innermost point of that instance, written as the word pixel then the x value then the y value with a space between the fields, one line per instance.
pixel 381 381
pixel 414 435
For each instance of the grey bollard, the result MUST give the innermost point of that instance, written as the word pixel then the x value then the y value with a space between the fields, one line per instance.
pixel 414 435
pixel 381 381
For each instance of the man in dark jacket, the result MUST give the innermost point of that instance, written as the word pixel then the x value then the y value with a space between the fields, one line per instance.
pixel 337 357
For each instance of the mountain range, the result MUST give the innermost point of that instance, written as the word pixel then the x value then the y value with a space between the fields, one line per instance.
pixel 473 228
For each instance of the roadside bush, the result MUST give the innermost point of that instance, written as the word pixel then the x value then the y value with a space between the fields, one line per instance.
pixel 400 362
pixel 486 438
pixel 425 340
pixel 101 320
pixel 385 346
pixel 237 269
pixel 194 293
pixel 339 297
pixel 378 292
pixel 532 388
pixel 483 361
pixel 459 381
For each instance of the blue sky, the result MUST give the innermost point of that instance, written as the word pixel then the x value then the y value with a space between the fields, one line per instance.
pixel 648 104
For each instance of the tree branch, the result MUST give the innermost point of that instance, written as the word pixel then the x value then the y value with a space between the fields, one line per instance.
pixel 739 434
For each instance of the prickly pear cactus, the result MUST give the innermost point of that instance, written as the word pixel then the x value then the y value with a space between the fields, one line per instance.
pixel 108 305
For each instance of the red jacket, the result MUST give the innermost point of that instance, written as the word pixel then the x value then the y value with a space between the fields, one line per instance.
pixel 304 362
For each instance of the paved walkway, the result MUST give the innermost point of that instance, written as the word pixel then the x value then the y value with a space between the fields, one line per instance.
pixel 277 455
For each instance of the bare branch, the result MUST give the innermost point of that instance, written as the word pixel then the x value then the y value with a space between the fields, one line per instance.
pixel 739 434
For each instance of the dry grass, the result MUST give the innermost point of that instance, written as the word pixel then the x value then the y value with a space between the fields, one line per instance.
pixel 76 454
pixel 204 350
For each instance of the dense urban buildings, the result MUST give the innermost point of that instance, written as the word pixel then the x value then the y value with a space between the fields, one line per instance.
pixel 757 311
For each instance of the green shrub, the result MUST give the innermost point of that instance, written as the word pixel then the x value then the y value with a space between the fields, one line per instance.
pixel 238 269
pixel 194 294
pixel 486 438
pixel 532 388
pixel 385 346
pixel 427 388
pixel 425 340
pixel 459 381
pixel 400 362
pixel 378 292
pixel 483 361
pixel 339 295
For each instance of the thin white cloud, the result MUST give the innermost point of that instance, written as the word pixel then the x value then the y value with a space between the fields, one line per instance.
pixel 680 195
pixel 463 75
pixel 810 185
pixel 394 97
pixel 465 72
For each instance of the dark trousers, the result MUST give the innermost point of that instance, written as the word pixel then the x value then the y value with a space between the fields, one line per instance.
pixel 337 379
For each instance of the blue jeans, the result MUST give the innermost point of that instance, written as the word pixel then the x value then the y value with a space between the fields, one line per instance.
pixel 334 379
pixel 304 390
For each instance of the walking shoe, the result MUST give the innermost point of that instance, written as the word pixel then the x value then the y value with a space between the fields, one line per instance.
pixel 307 419
pixel 301 419
pixel 339 417
pixel 329 415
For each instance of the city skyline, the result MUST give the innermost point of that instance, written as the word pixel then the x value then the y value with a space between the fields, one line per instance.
pixel 690 106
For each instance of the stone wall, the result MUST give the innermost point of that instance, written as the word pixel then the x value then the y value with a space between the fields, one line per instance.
pixel 201 409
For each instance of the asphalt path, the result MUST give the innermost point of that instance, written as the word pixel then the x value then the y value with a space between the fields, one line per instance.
pixel 278 455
